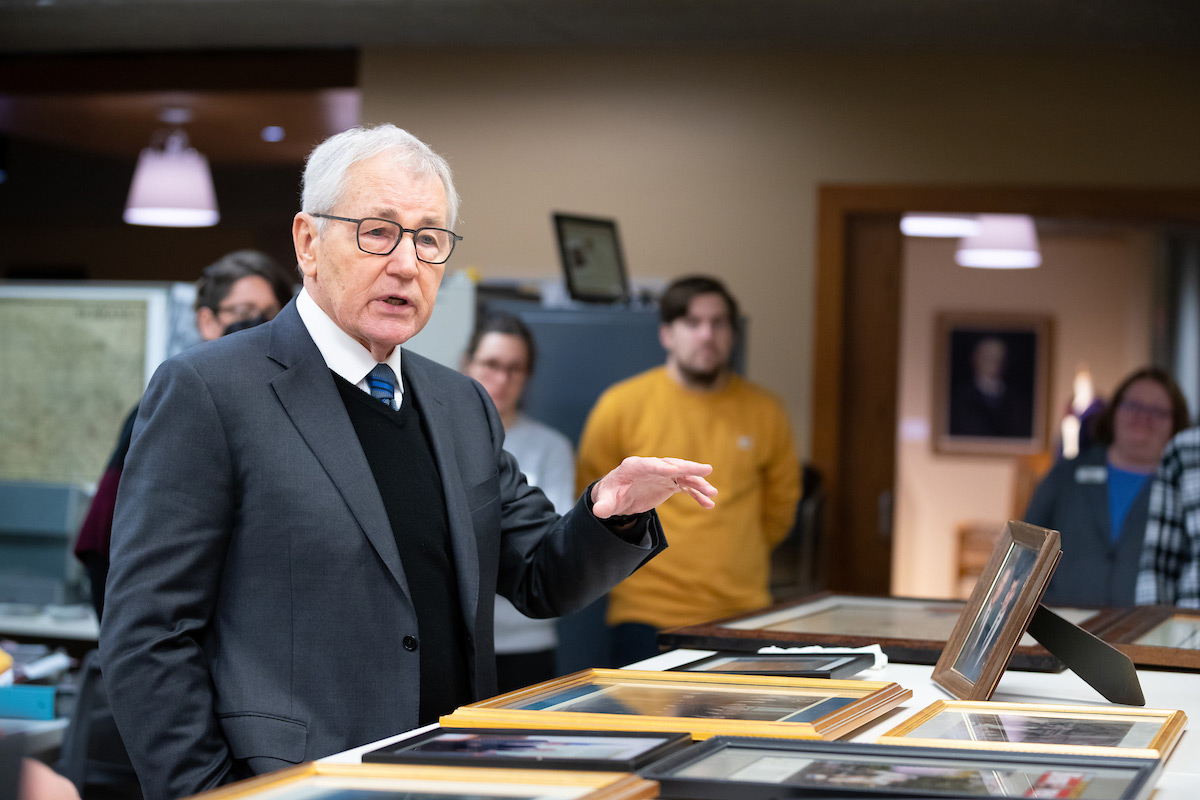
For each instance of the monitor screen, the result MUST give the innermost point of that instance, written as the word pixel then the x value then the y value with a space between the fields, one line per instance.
pixel 591 258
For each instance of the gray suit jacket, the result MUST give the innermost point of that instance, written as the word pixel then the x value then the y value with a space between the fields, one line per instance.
pixel 1073 499
pixel 257 607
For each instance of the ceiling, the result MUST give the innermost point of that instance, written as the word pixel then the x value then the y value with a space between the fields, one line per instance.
pixel 59 85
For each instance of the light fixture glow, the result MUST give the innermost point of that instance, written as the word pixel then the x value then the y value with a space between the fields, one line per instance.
pixel 941 225
pixel 1004 241
pixel 273 133
pixel 172 187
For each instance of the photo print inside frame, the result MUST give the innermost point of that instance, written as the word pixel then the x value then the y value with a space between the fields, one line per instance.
pixel 1005 604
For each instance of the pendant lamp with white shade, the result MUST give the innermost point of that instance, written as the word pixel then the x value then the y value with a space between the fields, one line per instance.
pixel 172 184
pixel 1004 241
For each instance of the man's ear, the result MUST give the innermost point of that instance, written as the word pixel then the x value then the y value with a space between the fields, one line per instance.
pixel 304 237
pixel 665 336
pixel 207 324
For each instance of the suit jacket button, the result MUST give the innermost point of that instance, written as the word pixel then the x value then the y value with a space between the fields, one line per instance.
pixel 410 643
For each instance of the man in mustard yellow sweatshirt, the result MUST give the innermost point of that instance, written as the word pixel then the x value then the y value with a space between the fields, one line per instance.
pixel 695 405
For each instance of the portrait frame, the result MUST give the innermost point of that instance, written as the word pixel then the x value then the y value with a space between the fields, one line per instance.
pixel 701 704
pixel 1078 730
pixel 792 665
pixel 730 768
pixel 908 629
pixel 612 751
pixel 593 263
pixel 1166 637
pixel 991 383
pixel 998 611
pixel 306 782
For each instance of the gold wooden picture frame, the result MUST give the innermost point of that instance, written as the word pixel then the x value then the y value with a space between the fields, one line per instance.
pixel 992 379
pixel 701 704
pixel 998 611
pixel 317 781
pixel 1026 727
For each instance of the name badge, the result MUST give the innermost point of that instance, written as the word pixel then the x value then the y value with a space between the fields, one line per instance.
pixel 1091 474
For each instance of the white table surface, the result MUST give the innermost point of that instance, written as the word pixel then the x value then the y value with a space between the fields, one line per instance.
pixel 1180 779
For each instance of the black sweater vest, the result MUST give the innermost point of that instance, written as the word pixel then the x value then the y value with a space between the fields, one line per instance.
pixel 398 450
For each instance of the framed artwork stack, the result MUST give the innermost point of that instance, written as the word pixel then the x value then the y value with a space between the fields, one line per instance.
pixel 724 768
pixel 1075 730
pixel 320 781
pixel 701 704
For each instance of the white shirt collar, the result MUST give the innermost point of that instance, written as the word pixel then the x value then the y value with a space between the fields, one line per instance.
pixel 341 352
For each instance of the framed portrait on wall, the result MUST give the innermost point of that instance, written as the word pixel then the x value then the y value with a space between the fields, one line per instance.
pixel 991 383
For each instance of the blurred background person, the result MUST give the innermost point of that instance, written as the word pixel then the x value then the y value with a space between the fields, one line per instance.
pixel 719 562
pixel 239 290
pixel 1100 499
pixel 500 355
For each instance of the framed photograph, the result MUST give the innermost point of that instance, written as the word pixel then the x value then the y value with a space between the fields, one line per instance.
pixel 615 751
pixel 992 378
pixel 998 611
pixel 796 665
pixel 702 704
pixel 1159 636
pixel 725 768
pixel 1081 730
pixel 910 630
pixel 319 781
pixel 592 262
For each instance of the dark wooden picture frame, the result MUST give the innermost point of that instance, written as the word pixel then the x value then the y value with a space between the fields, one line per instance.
pixel 614 751
pixel 794 665
pixel 908 629
pixel 998 611
pixel 592 261
pixel 1158 636
pixel 729 768
pixel 992 379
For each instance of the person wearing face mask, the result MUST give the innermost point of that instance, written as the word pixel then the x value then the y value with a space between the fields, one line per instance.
pixel 501 355
pixel 1099 500
pixel 239 290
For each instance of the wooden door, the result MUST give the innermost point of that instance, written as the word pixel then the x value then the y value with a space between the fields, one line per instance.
pixel 857 347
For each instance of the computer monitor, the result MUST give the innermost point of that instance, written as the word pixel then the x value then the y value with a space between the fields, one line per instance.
pixel 591 259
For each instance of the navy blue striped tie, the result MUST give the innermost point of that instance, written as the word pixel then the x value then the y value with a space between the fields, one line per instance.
pixel 382 383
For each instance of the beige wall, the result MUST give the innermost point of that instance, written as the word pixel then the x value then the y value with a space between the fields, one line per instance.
pixel 1097 291
pixel 710 159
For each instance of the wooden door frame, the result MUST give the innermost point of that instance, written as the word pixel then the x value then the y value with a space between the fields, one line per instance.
pixel 838 204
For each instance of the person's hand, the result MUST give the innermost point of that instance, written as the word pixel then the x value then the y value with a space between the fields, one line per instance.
pixel 639 484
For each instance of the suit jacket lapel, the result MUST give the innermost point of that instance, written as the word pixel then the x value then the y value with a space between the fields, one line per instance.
pixel 307 391
pixel 440 422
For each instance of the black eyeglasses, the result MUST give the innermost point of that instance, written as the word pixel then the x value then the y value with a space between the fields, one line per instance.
pixel 379 237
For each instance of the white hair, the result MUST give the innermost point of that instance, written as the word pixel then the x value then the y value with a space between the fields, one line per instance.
pixel 326 167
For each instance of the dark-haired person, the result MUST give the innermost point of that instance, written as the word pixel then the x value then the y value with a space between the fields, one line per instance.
pixel 500 355
pixel 239 290
pixel 695 405
pixel 1099 500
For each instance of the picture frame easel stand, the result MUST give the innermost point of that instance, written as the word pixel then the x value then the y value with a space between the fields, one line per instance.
pixel 1103 667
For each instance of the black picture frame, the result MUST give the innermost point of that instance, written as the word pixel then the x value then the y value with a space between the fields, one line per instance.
pixel 935 771
pixel 592 261
pixel 532 748
pixel 795 665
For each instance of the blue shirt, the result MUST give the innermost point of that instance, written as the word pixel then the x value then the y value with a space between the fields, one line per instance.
pixel 1123 488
